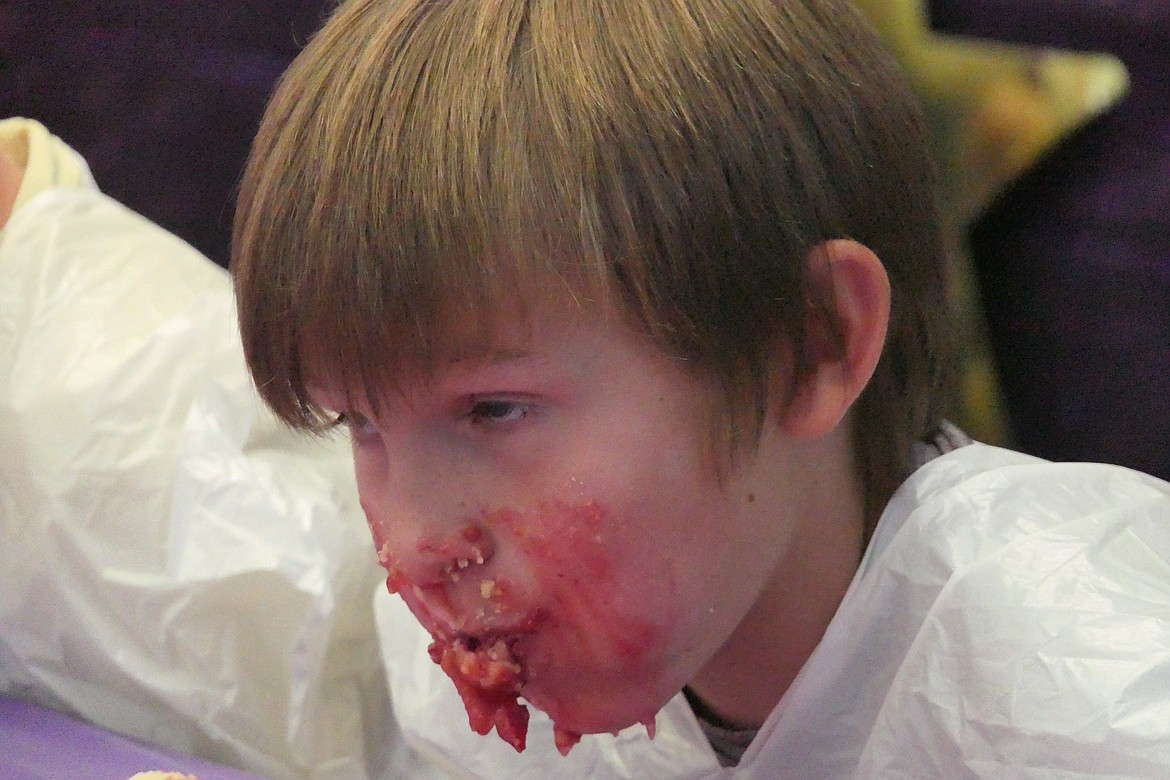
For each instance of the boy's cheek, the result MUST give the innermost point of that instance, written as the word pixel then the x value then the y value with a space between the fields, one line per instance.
pixel 376 527
pixel 567 542
pixel 373 496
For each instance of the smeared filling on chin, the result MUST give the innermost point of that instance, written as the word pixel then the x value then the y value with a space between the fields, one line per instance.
pixel 482 645
pixel 489 679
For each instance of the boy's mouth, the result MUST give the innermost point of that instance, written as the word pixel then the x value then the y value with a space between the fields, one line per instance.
pixel 480 655
pixel 485 662
pixel 489 677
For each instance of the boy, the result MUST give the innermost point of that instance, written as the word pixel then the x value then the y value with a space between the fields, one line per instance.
pixel 635 314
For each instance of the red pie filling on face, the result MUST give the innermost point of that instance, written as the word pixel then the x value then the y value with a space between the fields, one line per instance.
pixel 489 680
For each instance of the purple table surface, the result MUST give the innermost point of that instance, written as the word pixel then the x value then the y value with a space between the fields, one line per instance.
pixel 37 743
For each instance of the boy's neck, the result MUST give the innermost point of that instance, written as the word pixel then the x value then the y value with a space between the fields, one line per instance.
pixel 745 680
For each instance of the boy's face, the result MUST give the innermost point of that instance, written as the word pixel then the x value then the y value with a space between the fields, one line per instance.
pixel 562 498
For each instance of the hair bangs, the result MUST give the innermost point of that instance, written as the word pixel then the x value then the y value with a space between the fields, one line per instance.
pixel 393 216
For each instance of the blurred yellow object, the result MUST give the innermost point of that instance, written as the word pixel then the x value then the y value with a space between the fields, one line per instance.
pixel 993 111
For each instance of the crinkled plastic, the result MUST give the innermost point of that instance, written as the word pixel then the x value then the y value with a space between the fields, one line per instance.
pixel 174 565
pixel 1011 619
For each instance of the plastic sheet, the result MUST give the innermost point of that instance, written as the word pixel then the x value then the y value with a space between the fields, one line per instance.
pixel 175 565
pixel 42 744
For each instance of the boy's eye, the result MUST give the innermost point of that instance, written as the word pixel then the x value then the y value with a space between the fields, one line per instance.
pixel 358 424
pixel 498 411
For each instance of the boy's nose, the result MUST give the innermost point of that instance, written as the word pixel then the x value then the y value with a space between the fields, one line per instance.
pixel 422 528
pixel 435 559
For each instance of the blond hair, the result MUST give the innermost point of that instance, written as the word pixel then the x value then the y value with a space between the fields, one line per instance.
pixel 424 161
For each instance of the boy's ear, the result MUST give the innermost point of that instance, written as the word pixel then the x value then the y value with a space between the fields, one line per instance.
pixel 846 332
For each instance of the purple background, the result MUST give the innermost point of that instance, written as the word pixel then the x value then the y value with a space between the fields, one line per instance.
pixel 161 97
pixel 1074 258
pixel 40 744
